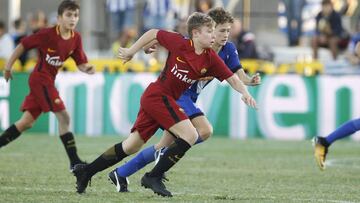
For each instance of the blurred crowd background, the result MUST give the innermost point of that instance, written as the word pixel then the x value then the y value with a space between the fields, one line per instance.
pixel 272 36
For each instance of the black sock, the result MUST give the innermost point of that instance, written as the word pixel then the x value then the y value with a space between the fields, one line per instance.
pixel 110 157
pixel 9 135
pixel 323 141
pixel 70 147
pixel 172 155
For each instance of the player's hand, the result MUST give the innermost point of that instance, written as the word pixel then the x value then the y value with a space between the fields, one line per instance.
pixel 89 69
pixel 124 54
pixel 249 100
pixel 255 80
pixel 7 75
pixel 151 49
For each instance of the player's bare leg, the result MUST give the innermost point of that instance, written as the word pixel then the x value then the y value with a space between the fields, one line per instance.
pixel 111 156
pixel 14 131
pixel 67 138
pixel 187 136
pixel 203 127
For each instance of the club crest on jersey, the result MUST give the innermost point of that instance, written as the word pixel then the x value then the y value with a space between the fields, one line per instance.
pixel 182 74
pixel 203 71
pixel 51 50
pixel 54 60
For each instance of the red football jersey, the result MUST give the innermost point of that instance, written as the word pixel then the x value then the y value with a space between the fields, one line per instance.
pixel 54 50
pixel 183 66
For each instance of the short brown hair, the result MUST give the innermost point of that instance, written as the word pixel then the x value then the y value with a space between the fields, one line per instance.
pixel 326 2
pixel 197 20
pixel 220 16
pixel 67 5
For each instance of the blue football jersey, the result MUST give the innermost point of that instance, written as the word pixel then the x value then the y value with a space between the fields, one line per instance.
pixel 354 40
pixel 229 55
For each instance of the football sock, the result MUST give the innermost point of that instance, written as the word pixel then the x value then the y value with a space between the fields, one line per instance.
pixel 344 130
pixel 143 158
pixel 110 157
pixel 70 147
pixel 172 155
pixel 9 135
pixel 199 140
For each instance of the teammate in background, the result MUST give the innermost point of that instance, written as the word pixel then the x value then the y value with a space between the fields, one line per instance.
pixel 54 46
pixel 188 61
pixel 322 144
pixel 228 53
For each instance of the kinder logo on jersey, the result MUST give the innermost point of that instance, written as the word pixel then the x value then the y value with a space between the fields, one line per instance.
pixel 54 60
pixel 182 75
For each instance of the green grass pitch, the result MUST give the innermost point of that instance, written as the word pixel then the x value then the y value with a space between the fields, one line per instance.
pixel 35 169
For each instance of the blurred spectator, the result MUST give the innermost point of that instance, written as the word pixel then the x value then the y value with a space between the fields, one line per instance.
pixel 122 14
pixel 293 13
pixel 244 41
pixel 37 21
pixel 203 6
pixel 351 55
pixel 19 33
pixel 181 27
pixel 6 43
pixel 182 8
pixel 126 37
pixel 159 14
pixel 329 31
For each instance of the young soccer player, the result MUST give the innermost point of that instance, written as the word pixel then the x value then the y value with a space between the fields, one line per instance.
pixel 228 53
pixel 188 61
pixel 322 144
pixel 54 46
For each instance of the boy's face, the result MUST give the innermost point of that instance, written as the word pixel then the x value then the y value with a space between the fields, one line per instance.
pixel 69 19
pixel 222 32
pixel 327 9
pixel 205 36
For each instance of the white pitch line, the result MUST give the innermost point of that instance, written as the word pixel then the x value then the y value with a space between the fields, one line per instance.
pixel 345 162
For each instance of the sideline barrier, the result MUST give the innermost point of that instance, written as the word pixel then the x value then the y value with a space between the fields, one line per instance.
pixel 290 106
pixel 306 68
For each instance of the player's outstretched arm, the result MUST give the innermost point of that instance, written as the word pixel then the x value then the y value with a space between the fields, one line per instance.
pixel 86 68
pixel 247 80
pixel 151 47
pixel 14 56
pixel 239 86
pixel 127 54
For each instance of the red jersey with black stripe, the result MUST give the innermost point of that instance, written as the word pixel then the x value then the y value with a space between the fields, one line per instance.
pixel 53 50
pixel 183 66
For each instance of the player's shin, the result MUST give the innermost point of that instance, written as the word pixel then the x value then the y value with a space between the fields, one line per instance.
pixel 143 158
pixel 172 155
pixel 110 157
pixel 9 135
pixel 68 141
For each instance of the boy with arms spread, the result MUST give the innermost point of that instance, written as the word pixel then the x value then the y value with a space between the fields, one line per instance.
pixel 54 46
pixel 228 53
pixel 188 61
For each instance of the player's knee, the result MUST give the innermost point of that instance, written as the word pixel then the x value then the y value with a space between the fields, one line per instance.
pixel 190 136
pixel 205 132
pixel 23 125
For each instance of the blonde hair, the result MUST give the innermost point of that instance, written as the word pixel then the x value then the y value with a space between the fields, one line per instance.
pixel 198 20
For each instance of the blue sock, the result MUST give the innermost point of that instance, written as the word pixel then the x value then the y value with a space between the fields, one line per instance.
pixel 344 130
pixel 199 140
pixel 138 162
